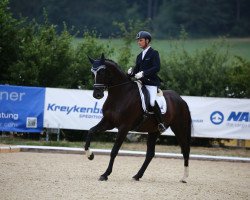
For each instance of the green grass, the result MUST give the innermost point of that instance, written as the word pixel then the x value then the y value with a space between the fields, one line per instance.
pixel 137 146
pixel 42 142
pixel 238 46
pixel 20 141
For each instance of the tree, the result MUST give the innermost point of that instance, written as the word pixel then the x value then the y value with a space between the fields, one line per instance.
pixel 10 39
pixel 239 76
pixel 79 74
pixel 204 73
pixel 128 33
pixel 200 18
pixel 44 58
pixel 38 55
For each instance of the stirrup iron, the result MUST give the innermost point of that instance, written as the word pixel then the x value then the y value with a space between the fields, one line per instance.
pixel 161 127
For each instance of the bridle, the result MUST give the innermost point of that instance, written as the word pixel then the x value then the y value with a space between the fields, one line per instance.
pixel 102 86
pixel 98 85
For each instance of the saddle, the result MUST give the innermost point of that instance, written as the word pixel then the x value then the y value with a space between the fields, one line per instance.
pixel 145 99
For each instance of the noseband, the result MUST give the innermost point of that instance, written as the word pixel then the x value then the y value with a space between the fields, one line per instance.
pixel 100 86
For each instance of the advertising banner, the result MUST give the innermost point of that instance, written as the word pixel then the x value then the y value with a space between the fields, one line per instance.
pixel 21 108
pixel 29 109
pixel 71 109
pixel 220 117
pixel 211 117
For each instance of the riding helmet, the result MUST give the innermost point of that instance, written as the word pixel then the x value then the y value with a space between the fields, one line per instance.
pixel 143 34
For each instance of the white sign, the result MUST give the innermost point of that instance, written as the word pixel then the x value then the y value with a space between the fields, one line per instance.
pixel 211 117
pixel 220 117
pixel 71 109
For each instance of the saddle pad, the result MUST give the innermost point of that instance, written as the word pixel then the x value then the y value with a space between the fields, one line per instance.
pixel 159 98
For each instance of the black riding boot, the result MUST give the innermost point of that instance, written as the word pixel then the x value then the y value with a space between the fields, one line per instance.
pixel 158 115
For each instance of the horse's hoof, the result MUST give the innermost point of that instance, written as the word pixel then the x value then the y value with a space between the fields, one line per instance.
pixel 91 157
pixel 103 178
pixel 135 178
pixel 183 181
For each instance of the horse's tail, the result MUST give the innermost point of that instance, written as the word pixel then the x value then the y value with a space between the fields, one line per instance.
pixel 189 124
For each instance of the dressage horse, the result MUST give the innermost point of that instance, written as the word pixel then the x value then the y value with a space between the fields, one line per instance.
pixel 122 110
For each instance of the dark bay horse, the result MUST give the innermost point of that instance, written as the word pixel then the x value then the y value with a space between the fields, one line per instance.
pixel 122 110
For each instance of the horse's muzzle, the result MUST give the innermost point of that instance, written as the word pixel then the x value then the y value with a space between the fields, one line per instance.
pixel 98 92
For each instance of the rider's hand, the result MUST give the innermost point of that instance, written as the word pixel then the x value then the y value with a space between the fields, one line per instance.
pixel 130 71
pixel 139 75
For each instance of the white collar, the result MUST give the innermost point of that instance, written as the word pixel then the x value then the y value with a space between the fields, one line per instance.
pixel 145 51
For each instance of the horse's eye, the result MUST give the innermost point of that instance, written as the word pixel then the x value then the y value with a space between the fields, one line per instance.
pixel 102 72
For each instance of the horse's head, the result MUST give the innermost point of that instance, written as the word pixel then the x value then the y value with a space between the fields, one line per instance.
pixel 99 71
pixel 107 74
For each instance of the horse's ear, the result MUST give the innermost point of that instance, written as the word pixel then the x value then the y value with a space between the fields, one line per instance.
pixel 102 58
pixel 91 60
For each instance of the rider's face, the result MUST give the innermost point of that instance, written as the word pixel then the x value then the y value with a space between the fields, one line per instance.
pixel 143 43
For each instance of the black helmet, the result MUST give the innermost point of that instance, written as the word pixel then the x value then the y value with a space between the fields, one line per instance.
pixel 143 34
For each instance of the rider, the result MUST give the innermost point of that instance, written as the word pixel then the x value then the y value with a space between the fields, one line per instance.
pixel 146 69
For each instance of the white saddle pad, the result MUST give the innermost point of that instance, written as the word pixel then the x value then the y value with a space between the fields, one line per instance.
pixel 159 98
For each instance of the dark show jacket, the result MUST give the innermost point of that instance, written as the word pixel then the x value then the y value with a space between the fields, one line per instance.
pixel 150 65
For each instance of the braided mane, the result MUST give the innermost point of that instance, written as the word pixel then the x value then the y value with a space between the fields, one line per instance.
pixel 113 64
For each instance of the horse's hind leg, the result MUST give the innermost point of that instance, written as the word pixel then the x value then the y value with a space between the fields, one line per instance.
pixel 149 156
pixel 185 151
pixel 182 134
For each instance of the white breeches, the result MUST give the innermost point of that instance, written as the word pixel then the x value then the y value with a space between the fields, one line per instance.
pixel 152 93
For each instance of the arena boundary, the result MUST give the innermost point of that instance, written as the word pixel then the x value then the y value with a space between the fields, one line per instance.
pixel 69 150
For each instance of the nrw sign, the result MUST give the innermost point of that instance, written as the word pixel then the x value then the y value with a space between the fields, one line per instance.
pixel 220 117
pixel 239 117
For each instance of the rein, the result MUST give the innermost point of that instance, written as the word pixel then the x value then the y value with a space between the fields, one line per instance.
pixel 98 85
pixel 112 86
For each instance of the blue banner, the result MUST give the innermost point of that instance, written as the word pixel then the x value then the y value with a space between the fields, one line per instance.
pixel 21 108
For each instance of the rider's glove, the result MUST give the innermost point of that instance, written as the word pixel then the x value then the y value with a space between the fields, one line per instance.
pixel 130 71
pixel 139 75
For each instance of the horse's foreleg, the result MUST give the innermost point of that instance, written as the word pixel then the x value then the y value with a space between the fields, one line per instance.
pixel 149 156
pixel 119 140
pixel 101 126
